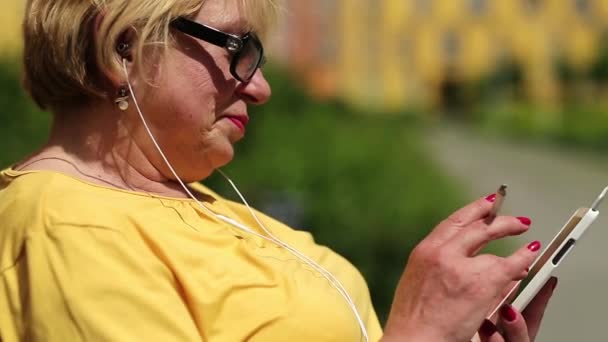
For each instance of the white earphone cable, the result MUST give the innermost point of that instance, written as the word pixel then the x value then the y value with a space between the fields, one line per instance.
pixel 271 237
pixel 285 245
pixel 327 274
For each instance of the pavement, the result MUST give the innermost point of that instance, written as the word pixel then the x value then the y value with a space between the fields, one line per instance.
pixel 546 184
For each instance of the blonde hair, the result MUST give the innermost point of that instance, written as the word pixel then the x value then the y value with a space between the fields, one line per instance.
pixel 62 62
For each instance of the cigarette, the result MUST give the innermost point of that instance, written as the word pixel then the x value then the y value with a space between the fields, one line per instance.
pixel 500 197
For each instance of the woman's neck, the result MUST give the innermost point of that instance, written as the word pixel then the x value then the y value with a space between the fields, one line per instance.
pixel 97 146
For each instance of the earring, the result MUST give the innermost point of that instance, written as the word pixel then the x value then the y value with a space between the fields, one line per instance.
pixel 123 98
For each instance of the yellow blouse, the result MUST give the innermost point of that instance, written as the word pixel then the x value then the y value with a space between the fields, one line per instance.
pixel 83 262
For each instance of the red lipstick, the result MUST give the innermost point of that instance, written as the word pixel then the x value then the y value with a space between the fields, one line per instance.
pixel 239 121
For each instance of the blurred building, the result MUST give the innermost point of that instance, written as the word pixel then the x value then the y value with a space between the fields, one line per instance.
pixel 395 54
pixel 415 53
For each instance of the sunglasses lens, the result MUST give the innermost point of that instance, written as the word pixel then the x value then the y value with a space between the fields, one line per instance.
pixel 249 59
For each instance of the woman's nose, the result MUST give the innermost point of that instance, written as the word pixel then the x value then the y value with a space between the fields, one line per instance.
pixel 256 91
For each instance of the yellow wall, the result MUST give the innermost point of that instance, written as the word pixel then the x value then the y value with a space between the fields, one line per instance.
pixel 10 28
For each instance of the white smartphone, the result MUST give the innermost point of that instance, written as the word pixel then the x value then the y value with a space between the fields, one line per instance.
pixel 553 255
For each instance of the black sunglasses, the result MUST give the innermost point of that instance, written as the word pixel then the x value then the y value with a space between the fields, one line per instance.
pixel 247 51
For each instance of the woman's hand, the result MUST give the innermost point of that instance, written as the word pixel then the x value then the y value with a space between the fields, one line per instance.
pixel 447 290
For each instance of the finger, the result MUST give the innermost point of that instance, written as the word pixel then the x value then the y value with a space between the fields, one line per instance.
pixel 462 218
pixel 479 233
pixel 494 338
pixel 513 325
pixel 517 264
pixel 508 294
pixel 533 314
pixel 488 332
pixel 472 212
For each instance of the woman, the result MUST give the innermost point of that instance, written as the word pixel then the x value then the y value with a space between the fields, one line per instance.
pixel 101 240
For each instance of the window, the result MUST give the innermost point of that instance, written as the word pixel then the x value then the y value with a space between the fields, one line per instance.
pixel 478 7
pixel 451 46
pixel 532 6
pixel 583 7
pixel 424 7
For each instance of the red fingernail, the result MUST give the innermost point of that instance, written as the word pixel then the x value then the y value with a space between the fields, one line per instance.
pixel 525 220
pixel 534 246
pixel 491 198
pixel 487 328
pixel 527 269
pixel 508 313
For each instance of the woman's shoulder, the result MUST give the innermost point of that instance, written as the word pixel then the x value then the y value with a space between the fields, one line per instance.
pixel 45 196
pixel 22 211
pixel 57 194
pixel 24 192
pixel 32 203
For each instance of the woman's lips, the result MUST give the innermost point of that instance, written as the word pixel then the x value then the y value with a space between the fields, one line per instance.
pixel 239 121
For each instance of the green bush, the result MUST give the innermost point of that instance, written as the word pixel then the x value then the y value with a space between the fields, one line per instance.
pixel 23 127
pixel 583 126
pixel 579 118
pixel 361 182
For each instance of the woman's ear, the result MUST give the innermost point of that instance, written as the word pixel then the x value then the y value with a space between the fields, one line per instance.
pixel 122 54
pixel 124 45
pixel 125 50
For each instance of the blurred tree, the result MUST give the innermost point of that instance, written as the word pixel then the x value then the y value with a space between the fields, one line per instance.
pixel 599 70
pixel 24 127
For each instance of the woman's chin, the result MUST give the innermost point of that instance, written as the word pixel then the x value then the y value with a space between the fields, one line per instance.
pixel 221 156
pixel 224 158
pixel 204 165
